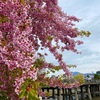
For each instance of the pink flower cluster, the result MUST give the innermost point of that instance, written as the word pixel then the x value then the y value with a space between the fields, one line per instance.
pixel 32 74
pixel 16 48
pixel 55 82
pixel 25 26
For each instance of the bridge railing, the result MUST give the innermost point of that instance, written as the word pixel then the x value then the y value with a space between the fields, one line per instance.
pixel 87 90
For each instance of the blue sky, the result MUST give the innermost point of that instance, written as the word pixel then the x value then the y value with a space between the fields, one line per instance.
pixel 89 12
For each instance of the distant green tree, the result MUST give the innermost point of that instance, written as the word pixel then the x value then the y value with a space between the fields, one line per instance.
pixel 79 78
pixel 96 77
pixel 98 72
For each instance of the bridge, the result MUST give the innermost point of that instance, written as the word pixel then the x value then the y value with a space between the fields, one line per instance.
pixel 86 91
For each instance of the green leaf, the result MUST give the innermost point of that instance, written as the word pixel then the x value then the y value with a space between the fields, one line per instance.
pixel 29 96
pixel 33 92
pixel 52 70
pixel 3 19
pixel 84 33
pixel 3 0
pixel 32 95
pixel 57 68
pixel 22 94
pixel 49 38
pixel 22 1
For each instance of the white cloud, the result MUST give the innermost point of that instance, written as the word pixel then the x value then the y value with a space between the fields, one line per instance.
pixel 89 68
pixel 89 12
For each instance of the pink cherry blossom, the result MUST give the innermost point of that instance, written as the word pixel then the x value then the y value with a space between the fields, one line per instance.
pixel 25 27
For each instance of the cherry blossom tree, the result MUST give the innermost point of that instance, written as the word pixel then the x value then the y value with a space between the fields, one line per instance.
pixel 25 27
